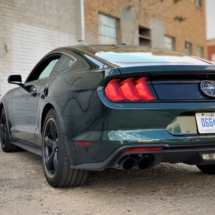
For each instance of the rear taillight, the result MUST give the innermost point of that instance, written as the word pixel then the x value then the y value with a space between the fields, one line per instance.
pixel 143 90
pixel 130 89
pixel 112 91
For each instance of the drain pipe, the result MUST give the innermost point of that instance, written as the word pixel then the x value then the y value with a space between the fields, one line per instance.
pixel 80 20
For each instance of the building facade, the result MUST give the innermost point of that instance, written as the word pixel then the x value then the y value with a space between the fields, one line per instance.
pixel 29 28
pixel 113 22
pixel 211 50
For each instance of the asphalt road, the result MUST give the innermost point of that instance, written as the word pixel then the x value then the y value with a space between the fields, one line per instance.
pixel 164 189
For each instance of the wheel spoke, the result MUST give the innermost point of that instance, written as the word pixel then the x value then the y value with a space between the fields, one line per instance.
pixel 46 154
pixel 51 147
pixel 53 135
pixel 49 142
pixel 55 162
pixel 52 130
pixel 50 161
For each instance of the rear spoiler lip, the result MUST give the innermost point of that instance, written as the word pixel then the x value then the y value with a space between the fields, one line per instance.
pixel 168 69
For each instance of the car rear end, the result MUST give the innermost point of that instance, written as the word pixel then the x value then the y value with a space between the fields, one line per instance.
pixel 155 112
pixel 160 113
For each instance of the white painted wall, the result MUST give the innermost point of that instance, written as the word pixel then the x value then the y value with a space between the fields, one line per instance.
pixel 28 30
pixel 210 17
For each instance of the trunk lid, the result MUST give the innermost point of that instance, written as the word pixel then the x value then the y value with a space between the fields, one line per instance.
pixel 176 82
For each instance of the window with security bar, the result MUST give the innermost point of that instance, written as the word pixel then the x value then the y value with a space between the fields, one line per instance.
pixel 107 29
pixel 199 51
pixel 188 48
pixel 169 43
pixel 198 3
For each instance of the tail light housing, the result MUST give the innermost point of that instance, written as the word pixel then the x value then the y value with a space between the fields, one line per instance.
pixel 130 89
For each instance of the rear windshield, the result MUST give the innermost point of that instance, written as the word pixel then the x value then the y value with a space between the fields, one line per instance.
pixel 130 55
pixel 148 57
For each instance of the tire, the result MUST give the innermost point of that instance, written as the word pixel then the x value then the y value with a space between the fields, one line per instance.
pixel 6 144
pixel 209 169
pixel 55 158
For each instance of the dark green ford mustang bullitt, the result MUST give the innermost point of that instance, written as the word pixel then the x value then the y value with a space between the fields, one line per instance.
pixel 94 107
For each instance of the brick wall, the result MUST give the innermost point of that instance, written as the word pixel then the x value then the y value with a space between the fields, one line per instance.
pixel 211 51
pixel 193 30
pixel 28 30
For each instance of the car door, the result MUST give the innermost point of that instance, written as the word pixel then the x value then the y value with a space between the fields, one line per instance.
pixel 25 103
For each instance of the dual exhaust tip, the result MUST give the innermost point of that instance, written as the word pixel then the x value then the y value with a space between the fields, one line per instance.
pixel 129 163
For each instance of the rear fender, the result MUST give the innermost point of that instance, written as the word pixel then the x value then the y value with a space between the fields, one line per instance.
pixel 62 124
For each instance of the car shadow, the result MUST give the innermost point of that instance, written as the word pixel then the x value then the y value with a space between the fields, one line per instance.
pixel 162 180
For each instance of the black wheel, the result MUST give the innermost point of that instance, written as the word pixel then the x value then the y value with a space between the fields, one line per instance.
pixel 209 169
pixel 6 144
pixel 55 159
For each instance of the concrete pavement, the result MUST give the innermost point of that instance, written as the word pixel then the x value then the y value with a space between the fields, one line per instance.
pixel 164 189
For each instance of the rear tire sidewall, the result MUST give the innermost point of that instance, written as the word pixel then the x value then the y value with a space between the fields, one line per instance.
pixel 7 143
pixel 54 179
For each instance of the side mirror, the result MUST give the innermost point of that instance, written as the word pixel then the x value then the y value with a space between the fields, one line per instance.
pixel 15 79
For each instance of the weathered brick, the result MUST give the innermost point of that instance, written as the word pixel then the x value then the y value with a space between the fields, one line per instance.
pixel 193 30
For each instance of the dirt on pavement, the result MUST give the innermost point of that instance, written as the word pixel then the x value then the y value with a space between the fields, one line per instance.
pixel 164 189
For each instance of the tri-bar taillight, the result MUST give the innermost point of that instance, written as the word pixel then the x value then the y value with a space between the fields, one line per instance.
pixel 130 89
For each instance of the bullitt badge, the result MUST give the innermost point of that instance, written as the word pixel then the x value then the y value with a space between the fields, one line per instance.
pixel 208 88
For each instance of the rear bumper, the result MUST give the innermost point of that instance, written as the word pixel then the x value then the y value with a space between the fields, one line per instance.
pixel 111 127
pixel 191 155
pixel 106 147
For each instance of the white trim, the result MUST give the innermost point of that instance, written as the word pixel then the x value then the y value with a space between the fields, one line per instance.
pixel 80 20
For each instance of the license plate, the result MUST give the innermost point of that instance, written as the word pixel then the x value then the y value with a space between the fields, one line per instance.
pixel 205 123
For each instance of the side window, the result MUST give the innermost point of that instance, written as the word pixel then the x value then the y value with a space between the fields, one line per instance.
pixel 47 71
pixel 177 129
pixel 63 64
pixel 44 68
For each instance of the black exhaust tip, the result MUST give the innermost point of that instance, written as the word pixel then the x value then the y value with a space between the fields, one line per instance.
pixel 127 163
pixel 145 162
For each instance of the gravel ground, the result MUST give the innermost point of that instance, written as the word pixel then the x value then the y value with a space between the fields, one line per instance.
pixel 164 189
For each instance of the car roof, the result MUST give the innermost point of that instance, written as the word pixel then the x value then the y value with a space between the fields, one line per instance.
pixel 127 55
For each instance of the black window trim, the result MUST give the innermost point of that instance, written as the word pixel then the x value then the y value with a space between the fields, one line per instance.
pixel 45 58
pixel 73 58
pixel 38 64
